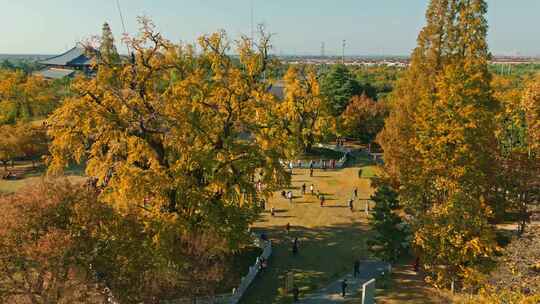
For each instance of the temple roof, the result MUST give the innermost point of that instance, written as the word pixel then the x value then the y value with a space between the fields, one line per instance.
pixel 52 73
pixel 278 90
pixel 74 57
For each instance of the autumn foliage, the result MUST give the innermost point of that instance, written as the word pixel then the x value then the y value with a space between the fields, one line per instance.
pixel 363 118
pixel 440 146
pixel 40 258
pixel 302 112
pixel 24 141
pixel 165 133
pixel 23 97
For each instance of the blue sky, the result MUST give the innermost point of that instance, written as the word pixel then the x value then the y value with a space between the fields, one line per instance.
pixel 376 27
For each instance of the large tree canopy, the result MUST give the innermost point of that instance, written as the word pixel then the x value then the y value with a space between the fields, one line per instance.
pixel 164 135
pixel 439 141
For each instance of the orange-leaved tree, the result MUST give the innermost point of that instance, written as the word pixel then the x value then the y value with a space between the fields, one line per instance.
pixel 42 260
pixel 439 143
pixel 363 118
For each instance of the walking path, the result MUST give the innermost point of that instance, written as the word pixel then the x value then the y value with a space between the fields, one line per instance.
pixel 332 293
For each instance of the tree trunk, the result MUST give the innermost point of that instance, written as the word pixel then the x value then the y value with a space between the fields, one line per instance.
pixel 309 145
pixel 523 218
pixel 308 148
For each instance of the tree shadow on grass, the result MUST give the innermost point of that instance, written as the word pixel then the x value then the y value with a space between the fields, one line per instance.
pixel 336 206
pixel 325 254
pixel 359 159
pixel 284 216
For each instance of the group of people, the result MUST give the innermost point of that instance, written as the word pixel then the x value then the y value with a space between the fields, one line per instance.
pixel 289 195
pixel 263 263
pixel 340 141
pixel 9 176
pixel 324 164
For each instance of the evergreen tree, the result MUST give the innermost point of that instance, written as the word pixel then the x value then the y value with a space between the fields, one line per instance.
pixel 107 50
pixel 391 239
pixel 439 141
pixel 338 87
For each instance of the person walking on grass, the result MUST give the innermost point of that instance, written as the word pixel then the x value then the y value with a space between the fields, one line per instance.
pixel 312 189
pixel 416 264
pixel 288 227
pixel 356 271
pixel 304 189
pixel 344 287
pixel 310 172
pixel 322 200
pixel 351 205
pixel 290 196
pixel 296 294
pixel 295 246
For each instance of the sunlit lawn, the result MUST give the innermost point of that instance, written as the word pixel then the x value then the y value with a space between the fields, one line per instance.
pixel 26 175
pixel 330 237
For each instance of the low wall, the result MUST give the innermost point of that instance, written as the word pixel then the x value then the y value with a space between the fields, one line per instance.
pixel 253 270
pixel 238 292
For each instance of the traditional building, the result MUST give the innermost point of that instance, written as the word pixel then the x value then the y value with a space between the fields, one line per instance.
pixel 67 64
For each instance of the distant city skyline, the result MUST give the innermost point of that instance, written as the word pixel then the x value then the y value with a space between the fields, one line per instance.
pixel 384 27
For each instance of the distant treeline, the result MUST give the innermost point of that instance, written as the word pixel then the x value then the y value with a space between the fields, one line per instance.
pixel 26 63
pixel 522 69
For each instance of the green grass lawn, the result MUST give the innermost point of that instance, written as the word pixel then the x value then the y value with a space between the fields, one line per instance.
pixel 331 237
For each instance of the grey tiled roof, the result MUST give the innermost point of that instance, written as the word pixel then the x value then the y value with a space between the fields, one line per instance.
pixel 53 73
pixel 74 57
pixel 278 90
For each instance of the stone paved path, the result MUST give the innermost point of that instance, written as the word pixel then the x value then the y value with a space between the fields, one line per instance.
pixel 332 292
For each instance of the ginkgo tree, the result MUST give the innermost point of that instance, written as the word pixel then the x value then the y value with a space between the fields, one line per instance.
pixel 24 97
pixel 162 134
pixel 302 111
